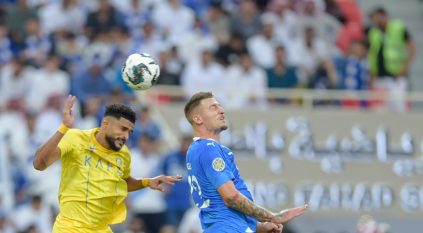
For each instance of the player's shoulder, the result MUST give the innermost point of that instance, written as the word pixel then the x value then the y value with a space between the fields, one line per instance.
pixel 79 134
pixel 76 132
pixel 204 145
pixel 204 142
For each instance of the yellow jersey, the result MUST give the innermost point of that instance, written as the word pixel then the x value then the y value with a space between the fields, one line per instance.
pixel 92 187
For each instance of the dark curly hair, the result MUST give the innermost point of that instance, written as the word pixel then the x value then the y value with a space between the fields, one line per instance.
pixel 119 110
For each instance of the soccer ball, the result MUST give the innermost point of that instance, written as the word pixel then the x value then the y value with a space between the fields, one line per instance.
pixel 140 71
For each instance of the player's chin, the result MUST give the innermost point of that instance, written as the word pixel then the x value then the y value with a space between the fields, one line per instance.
pixel 224 127
pixel 117 145
pixel 120 144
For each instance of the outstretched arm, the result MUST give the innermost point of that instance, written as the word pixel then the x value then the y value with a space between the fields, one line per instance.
pixel 236 200
pixel 49 152
pixel 154 183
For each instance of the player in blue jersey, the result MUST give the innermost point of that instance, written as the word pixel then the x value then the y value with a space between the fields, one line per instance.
pixel 216 186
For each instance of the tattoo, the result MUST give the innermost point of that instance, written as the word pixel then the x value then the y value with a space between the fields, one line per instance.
pixel 246 206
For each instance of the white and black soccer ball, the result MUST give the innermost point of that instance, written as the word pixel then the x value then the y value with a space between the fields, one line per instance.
pixel 140 71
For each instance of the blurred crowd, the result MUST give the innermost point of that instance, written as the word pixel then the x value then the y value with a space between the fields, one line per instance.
pixel 239 49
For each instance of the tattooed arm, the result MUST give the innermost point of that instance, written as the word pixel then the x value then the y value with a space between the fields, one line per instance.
pixel 236 200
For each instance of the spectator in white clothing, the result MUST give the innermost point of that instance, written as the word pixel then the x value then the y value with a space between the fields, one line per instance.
pixel 326 26
pixel 285 31
pixel 167 13
pixel 246 84
pixel 204 75
pixel 192 43
pixel 15 83
pixel 315 67
pixel 46 82
pixel 262 46
pixel 33 215
pixel 66 15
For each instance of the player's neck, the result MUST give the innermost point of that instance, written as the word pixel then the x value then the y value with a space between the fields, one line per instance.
pixel 101 139
pixel 207 135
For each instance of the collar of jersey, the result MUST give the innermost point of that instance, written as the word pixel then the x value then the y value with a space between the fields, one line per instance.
pixel 198 138
pixel 97 144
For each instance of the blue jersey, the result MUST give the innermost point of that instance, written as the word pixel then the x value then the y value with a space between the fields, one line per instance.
pixel 209 166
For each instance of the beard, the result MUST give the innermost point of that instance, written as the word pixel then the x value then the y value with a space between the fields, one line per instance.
pixel 113 143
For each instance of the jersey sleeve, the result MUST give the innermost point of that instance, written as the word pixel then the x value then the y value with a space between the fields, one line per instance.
pixel 214 166
pixel 65 145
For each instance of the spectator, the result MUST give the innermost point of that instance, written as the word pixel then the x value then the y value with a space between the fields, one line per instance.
pixel 391 53
pixel 246 21
pixel 325 26
pixel 5 45
pixel 166 13
pixel 229 53
pixel 355 75
pixel 205 74
pixel 65 15
pixel 14 134
pixel 218 22
pixel 178 197
pixel 71 48
pixel 35 214
pixel 246 84
pixel 15 82
pixel 285 31
pixel 102 20
pixel 171 67
pixel 262 46
pixel 43 128
pixel 150 41
pixel 192 42
pixel 316 69
pixel 16 17
pixel 281 75
pixel 102 48
pixel 135 16
pixel 90 82
pixel 91 110
pixel 145 125
pixel 59 84
pixel 147 204
pixel 37 44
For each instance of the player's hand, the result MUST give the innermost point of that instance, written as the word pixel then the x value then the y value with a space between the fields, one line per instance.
pixel 67 114
pixel 289 214
pixel 156 182
pixel 269 227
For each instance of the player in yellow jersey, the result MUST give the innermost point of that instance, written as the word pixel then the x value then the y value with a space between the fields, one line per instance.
pixel 95 171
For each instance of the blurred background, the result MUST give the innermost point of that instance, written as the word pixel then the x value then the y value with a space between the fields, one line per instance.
pixel 324 100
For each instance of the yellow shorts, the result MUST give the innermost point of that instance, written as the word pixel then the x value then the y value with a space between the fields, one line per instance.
pixel 64 225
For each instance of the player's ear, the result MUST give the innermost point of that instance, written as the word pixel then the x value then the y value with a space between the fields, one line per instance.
pixel 105 122
pixel 197 119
